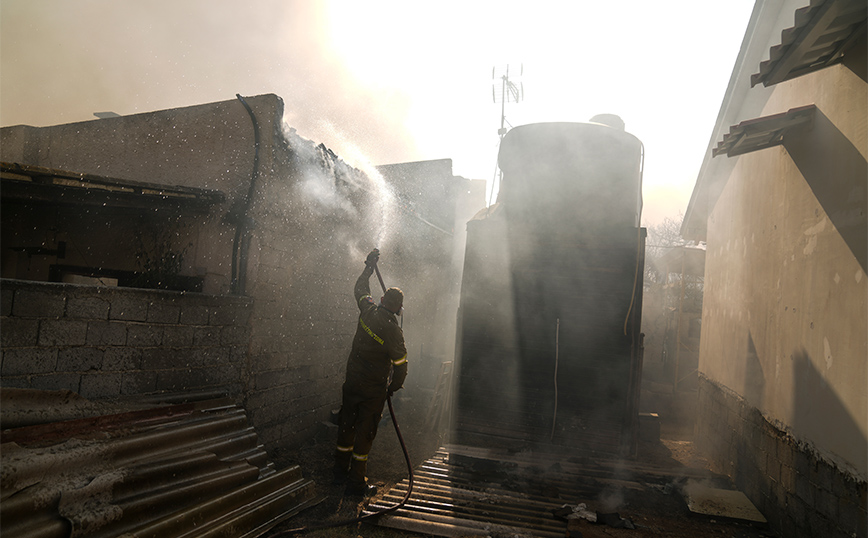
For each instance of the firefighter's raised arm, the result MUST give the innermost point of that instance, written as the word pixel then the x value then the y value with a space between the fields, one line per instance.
pixel 363 286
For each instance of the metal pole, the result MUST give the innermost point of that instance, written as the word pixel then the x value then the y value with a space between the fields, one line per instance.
pixel 678 329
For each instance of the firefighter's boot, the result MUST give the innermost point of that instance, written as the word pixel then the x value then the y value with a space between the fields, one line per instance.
pixel 342 466
pixel 357 482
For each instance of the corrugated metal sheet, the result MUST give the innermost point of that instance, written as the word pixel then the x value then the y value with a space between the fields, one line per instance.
pixel 823 31
pixel 191 470
pixel 468 491
pixel 36 184
pixel 765 132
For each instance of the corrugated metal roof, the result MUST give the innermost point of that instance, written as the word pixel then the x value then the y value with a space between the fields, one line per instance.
pixel 467 491
pixel 37 184
pixel 194 469
pixel 822 33
pixel 760 133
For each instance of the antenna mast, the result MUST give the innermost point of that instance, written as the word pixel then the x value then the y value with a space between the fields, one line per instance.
pixel 510 90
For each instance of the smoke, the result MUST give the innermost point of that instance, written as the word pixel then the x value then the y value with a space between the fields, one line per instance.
pixel 370 180
pixel 98 55
pixel 357 200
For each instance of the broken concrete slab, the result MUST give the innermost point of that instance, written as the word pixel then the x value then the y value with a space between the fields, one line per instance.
pixel 703 498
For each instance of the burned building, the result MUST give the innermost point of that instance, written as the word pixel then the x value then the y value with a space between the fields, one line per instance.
pixel 212 249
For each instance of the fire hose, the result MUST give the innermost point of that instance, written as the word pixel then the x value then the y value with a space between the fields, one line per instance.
pixel 371 515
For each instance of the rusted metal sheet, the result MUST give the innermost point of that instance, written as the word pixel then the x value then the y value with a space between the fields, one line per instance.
pixel 194 469
pixel 470 491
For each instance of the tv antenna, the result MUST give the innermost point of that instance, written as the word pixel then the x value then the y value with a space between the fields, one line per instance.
pixel 511 90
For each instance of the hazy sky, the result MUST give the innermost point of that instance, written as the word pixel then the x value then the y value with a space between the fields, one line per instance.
pixel 389 81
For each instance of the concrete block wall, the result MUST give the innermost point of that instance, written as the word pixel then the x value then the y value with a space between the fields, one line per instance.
pixel 304 315
pixel 104 342
pixel 799 492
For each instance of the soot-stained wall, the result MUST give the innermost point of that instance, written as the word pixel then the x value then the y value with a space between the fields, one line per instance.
pixel 311 219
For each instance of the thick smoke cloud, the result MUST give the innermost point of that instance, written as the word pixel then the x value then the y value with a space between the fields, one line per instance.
pixel 63 61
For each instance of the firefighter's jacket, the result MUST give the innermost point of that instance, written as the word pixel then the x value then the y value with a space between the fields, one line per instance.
pixel 378 346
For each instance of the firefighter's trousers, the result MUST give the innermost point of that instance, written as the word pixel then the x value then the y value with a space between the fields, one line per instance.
pixel 359 418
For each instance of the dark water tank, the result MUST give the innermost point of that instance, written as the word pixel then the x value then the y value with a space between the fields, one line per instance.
pixel 586 175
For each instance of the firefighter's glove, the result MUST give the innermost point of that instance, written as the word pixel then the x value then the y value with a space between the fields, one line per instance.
pixel 373 258
pixel 393 389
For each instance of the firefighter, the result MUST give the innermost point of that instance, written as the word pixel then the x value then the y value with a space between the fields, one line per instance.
pixel 376 367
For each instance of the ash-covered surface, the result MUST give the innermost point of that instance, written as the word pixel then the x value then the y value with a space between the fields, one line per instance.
pixel 645 491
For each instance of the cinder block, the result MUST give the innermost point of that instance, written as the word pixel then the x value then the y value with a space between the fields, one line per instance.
pixel 62 332
pixel 788 478
pixel 303 389
pixel 862 520
pixel 229 315
pixel 796 509
pixel 106 333
pixel 785 450
pixel 87 308
pixel 162 358
pixel 194 315
pixel 273 396
pixel 67 381
pixel 770 466
pixel 100 385
pixel 804 489
pixel 138 382
pixel 128 308
pixel 121 359
pixel 234 390
pixel 29 360
pixel 79 359
pixel 267 380
pixel 205 336
pixel 848 515
pixel 18 332
pixel 790 525
pixel 819 525
pixel 178 336
pixel 768 443
pixel 238 354
pixel 803 462
pixel 6 297
pixel 826 503
pixel 270 361
pixel 176 380
pixel 15 382
pixel 234 335
pixel 38 304
pixel 139 335
pixel 210 357
pixel 270 436
pixel 163 313
pixel 219 375
pixel 270 414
